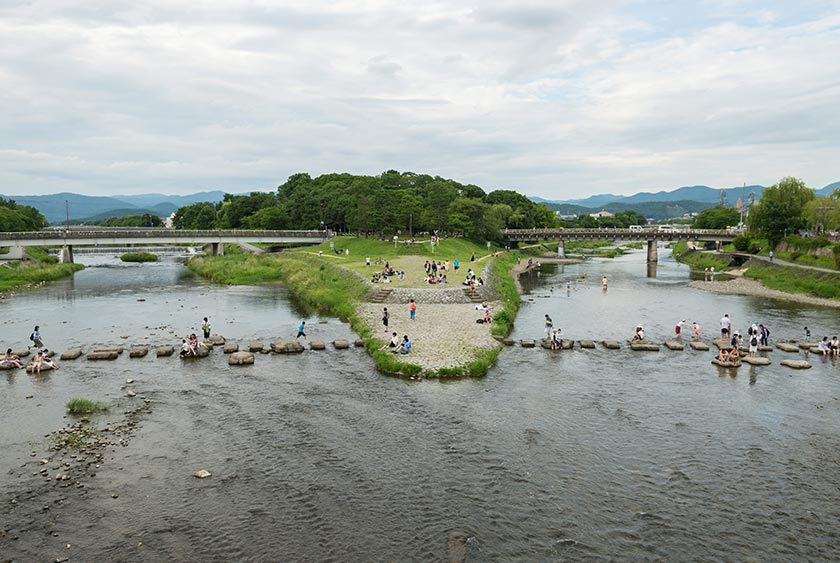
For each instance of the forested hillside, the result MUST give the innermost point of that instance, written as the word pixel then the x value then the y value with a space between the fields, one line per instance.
pixel 384 204
pixel 15 217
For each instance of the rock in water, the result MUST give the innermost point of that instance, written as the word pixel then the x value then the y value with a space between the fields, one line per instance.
pixel 317 345
pixel 231 347
pixel 341 344
pixel 699 346
pixel 610 344
pixel 787 347
pixel 203 474
pixel 71 354
pixel 359 343
pixel 165 351
pixel 527 344
pixel 257 346
pixel 112 355
pixel 756 361
pixel 241 358
pixel 216 340
pixel 138 352
pixel 456 547
pixel 587 344
pixel 674 345
pixel 795 364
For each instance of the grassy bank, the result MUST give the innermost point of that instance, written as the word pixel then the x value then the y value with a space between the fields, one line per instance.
pixel 699 260
pixel 795 280
pixel 41 268
pixel 501 280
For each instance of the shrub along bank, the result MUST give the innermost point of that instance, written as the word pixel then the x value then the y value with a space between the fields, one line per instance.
pixel 795 280
pixel 699 260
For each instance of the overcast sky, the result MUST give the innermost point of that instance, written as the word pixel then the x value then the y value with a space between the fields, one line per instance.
pixel 554 98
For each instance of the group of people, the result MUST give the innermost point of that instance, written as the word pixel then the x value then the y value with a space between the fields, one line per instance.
pixel 39 360
pixel 829 347
pixel 398 346
pixel 678 328
pixel 555 335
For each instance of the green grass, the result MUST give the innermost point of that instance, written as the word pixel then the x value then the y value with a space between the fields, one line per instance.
pixel 85 406
pixel 502 282
pixel 139 257
pixel 699 260
pixel 796 280
pixel 31 272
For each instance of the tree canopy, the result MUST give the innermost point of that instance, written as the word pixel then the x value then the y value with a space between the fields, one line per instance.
pixel 779 212
pixel 14 217
pixel 385 204
pixel 717 218
pixel 823 213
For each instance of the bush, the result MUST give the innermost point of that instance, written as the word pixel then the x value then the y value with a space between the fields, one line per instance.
pixel 85 406
pixel 742 243
pixel 836 251
pixel 138 257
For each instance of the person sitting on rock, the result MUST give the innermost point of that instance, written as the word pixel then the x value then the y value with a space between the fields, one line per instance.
pixel 35 365
pixel 639 335
pixel 723 355
pixel 734 356
pixel 185 349
pixel 48 361
pixel 10 359
pixel 556 340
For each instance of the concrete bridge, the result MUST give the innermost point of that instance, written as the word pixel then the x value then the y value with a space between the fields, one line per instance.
pixel 651 235
pixel 68 238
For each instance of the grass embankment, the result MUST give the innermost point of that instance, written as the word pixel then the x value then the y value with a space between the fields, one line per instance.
pixel 41 268
pixel 322 283
pixel 139 257
pixel 795 280
pixel 85 406
pixel 699 260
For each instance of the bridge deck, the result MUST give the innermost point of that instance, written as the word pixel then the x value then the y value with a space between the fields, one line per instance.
pixel 533 235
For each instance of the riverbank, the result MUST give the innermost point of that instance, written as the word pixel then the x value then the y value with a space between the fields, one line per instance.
pixel 41 268
pixel 740 285
pixel 522 266
pixel 447 340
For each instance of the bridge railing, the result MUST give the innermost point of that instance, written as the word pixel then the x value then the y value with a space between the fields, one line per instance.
pixel 646 232
pixel 156 233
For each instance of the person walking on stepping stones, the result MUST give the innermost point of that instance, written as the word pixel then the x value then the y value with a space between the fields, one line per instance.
pixel 301 331
pixel 205 327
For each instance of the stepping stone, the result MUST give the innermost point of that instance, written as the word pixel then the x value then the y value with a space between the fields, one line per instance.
pixel 231 347
pixel 165 351
pixel 317 345
pixel 756 361
pixel 611 344
pixel 787 347
pixel 726 364
pixel 138 352
pixel 294 347
pixel 699 346
pixel 815 350
pixel 508 342
pixel 21 353
pixel 257 346
pixel 359 343
pixel 722 343
pixel 216 340
pixel 765 348
pixel 71 354
pixel 106 355
pixel 644 347
pixel 527 343
pixel 240 359
pixel 117 349
pixel 674 345
pixel 587 343
pixel 807 345
pixel 341 344
pixel 795 364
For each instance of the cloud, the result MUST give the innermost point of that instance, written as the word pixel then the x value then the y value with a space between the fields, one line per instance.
pixel 555 99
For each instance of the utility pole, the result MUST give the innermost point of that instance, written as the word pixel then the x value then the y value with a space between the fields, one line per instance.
pixel 410 229
pixel 67 209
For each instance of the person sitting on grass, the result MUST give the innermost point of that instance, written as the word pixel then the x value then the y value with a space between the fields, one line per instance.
pixel 405 347
pixel 393 343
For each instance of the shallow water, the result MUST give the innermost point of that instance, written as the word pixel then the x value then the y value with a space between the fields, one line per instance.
pixel 568 456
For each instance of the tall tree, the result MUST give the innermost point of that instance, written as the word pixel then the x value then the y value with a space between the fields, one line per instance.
pixel 779 211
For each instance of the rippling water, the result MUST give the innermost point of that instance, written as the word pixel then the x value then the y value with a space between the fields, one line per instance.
pixel 571 456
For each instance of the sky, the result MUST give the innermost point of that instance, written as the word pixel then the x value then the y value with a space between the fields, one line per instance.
pixel 558 99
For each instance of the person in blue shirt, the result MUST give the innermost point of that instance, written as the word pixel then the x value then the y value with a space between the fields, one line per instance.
pixel 301 332
pixel 405 347
pixel 35 337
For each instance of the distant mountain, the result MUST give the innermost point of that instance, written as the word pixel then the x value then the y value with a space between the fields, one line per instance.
pixel 828 190
pixel 55 207
pixel 657 210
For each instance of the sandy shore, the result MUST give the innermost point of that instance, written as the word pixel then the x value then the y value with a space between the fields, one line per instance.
pixel 522 267
pixel 746 286
pixel 442 335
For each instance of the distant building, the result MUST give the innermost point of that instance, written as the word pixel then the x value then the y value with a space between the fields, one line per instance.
pixel 601 214
pixel 169 221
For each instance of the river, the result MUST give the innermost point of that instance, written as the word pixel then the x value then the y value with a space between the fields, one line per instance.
pixel 579 455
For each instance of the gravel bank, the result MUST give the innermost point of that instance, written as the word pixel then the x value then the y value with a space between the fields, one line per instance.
pixel 746 286
pixel 442 335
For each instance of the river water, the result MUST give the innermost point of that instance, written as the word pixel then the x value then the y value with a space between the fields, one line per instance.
pixel 579 455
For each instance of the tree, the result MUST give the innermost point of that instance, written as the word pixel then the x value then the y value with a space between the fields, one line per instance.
pixel 779 211
pixel 716 218
pixel 823 213
pixel 14 217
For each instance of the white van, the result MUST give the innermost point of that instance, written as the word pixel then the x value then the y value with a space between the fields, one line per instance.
pixel 636 228
pixel 666 228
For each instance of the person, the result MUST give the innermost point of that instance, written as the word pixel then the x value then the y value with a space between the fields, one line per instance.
pixel 393 343
pixel 725 325
pixel 10 359
pixel 823 346
pixel 639 334
pixel 807 333
pixel 385 316
pixel 472 257
pixel 488 318
pixel 483 305
pixel 696 328
pixel 763 335
pixel 205 327
pixel 194 344
pixel 753 345
pixel 556 340
pixel 37 359
pixel 47 359
pixel 185 349
pixel 412 308
pixel 549 326
pixel 604 282
pixel 723 355
pixel 455 264
pixel 405 347
pixel 35 337
pixel 367 261
pixel 771 256
pixel 834 346
pixel 678 328
pixel 734 355
pixel 736 340
pixel 301 331
pixel 442 279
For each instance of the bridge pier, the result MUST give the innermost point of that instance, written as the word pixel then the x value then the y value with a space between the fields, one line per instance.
pixel 561 249
pixel 652 253
pixel 217 248
pixel 66 254
pixel 16 252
